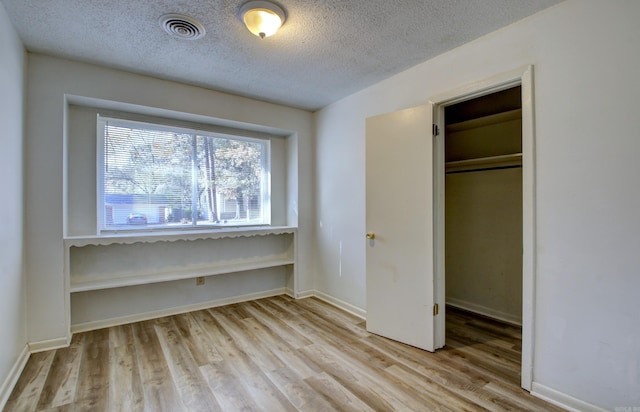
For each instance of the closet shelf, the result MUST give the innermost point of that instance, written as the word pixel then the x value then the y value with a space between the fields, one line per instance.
pixel 485 121
pixel 484 163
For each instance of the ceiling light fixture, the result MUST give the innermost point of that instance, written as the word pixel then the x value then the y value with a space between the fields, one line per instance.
pixel 262 18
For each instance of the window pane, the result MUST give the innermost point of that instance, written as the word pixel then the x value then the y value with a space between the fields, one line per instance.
pixel 230 180
pixel 154 176
pixel 147 177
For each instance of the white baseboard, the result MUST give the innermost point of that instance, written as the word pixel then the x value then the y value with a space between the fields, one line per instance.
pixel 11 380
pixel 123 320
pixel 483 310
pixel 106 323
pixel 289 292
pixel 347 307
pixel 563 400
pixel 306 294
pixel 49 344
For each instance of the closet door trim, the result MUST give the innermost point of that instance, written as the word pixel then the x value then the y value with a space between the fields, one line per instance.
pixel 523 77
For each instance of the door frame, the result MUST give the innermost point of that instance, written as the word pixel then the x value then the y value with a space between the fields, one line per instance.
pixel 522 77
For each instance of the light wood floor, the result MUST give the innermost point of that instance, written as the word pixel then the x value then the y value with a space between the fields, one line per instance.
pixel 275 354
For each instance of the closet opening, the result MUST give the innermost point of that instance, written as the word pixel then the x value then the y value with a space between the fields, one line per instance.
pixel 483 230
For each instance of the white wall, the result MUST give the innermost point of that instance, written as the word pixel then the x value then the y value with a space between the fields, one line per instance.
pixel 585 53
pixel 483 242
pixel 13 332
pixel 49 79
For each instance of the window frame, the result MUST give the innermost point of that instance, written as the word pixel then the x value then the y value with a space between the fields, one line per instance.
pixel 102 228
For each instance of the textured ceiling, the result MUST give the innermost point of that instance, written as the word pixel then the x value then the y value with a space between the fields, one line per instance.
pixel 326 50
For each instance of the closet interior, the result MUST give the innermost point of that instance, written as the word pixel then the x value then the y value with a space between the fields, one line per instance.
pixel 483 205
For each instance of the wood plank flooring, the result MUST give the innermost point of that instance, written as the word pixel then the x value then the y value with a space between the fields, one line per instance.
pixel 276 354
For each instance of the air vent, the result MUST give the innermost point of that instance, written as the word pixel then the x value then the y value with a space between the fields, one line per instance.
pixel 183 27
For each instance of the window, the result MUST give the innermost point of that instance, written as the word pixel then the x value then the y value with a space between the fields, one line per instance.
pixel 152 176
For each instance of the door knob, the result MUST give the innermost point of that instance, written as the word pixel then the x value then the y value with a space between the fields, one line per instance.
pixel 371 235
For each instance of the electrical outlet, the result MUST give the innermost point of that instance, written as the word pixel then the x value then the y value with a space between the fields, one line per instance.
pixel 200 281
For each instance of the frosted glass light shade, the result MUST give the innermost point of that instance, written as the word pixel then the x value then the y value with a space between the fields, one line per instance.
pixel 262 18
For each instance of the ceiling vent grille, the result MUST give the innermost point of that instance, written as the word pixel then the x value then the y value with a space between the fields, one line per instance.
pixel 181 26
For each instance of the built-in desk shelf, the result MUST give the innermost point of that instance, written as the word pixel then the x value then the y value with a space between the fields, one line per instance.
pixel 129 259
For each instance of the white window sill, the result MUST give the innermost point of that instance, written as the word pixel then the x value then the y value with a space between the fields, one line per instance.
pixel 174 235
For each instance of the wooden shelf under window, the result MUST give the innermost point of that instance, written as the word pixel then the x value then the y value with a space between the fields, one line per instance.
pixel 86 284
pixel 130 259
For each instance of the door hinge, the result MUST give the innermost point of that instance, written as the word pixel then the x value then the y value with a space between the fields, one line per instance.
pixel 436 309
pixel 435 130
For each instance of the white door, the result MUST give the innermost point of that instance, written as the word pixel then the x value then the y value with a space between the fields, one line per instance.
pixel 400 230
